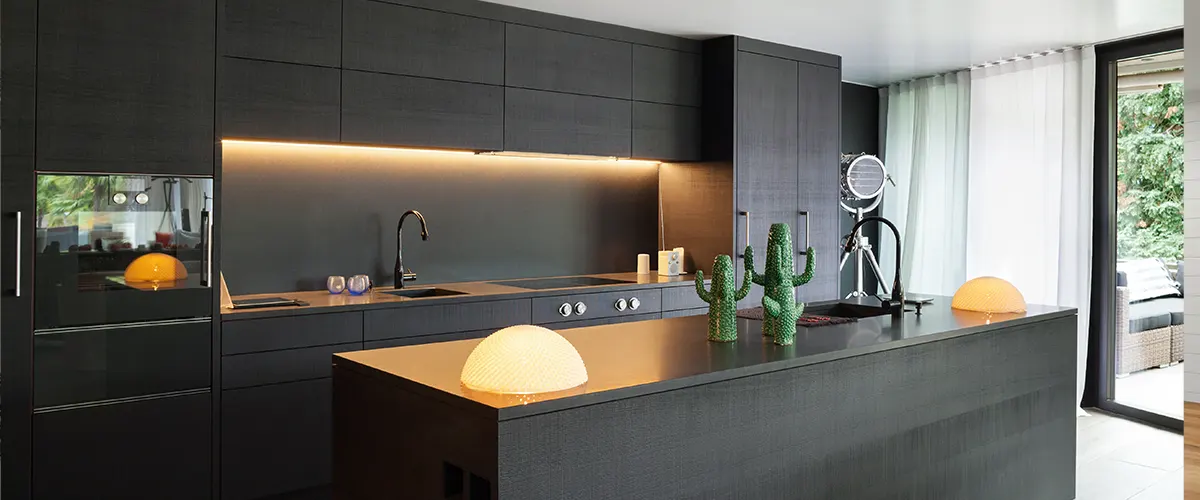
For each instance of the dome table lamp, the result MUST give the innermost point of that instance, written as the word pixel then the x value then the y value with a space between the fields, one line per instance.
pixel 990 295
pixel 153 271
pixel 523 359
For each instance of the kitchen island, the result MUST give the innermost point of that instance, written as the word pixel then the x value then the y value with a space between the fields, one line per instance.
pixel 948 404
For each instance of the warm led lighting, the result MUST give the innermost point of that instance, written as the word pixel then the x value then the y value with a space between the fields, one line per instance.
pixel 345 146
pixel 989 295
pixel 559 156
pixel 155 268
pixel 523 359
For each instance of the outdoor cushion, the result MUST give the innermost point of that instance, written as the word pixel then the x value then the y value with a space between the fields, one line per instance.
pixel 1155 314
pixel 1148 279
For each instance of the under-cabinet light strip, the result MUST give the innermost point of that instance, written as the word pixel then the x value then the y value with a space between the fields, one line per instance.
pixel 508 154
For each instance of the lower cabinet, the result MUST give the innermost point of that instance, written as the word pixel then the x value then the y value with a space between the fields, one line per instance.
pixel 685 312
pixel 148 449
pixel 611 320
pixel 276 439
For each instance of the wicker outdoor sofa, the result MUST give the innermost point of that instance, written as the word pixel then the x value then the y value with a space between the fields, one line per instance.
pixel 1150 331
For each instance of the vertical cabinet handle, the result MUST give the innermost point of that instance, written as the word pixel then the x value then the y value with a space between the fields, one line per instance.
pixel 206 227
pixel 18 239
pixel 745 214
pixel 804 249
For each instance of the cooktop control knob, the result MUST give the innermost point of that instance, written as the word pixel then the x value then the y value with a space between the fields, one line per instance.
pixel 565 309
pixel 580 308
pixel 621 304
pixel 634 303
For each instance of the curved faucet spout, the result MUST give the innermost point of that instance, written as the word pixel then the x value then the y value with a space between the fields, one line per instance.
pixel 897 289
pixel 400 274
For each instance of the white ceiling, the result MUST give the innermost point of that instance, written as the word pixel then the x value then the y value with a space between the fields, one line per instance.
pixel 883 41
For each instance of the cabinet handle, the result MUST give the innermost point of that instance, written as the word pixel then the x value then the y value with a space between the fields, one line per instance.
pixel 18 239
pixel 804 213
pixel 206 227
pixel 745 214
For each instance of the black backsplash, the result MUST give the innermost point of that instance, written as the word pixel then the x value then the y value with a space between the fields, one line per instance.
pixel 860 134
pixel 293 215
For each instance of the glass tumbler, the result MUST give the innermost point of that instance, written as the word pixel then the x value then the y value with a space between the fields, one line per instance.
pixel 335 284
pixel 359 284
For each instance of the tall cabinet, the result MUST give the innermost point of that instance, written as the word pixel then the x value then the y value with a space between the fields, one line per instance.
pixel 771 127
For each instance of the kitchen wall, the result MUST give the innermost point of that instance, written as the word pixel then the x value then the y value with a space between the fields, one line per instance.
pixel 860 134
pixel 294 215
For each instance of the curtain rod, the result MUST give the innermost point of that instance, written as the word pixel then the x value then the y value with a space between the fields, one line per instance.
pixel 998 62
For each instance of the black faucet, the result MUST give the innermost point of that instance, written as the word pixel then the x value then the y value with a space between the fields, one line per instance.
pixel 400 274
pixel 896 304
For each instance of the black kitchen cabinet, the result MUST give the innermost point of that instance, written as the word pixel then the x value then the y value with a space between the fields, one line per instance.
pixel 149 449
pixel 276 439
pixel 767 155
pixel 544 59
pixel 296 31
pixel 666 76
pixel 269 100
pixel 611 320
pixel 820 160
pixel 126 86
pixel 550 122
pixel 403 322
pixel 409 111
pixel 389 38
pixel 666 132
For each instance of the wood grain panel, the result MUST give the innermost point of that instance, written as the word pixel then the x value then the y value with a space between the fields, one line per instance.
pixel 388 38
pixel 126 86
pixel 697 208
pixel 296 31
pixel 679 313
pixel 545 309
pixel 409 111
pixel 610 320
pixel 666 132
pixel 683 297
pixel 549 122
pixel 448 318
pixel 820 151
pixel 289 365
pixel 276 439
pixel 271 334
pixel 1191 450
pixel 270 100
pixel 543 59
pixel 428 339
pixel 666 76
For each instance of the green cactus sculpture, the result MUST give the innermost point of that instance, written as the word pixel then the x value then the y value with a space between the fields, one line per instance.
pixel 779 300
pixel 722 300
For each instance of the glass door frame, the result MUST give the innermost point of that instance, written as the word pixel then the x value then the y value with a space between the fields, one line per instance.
pixel 1100 382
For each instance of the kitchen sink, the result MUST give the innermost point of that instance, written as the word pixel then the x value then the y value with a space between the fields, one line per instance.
pixel 418 293
pixel 846 310
pixel 552 283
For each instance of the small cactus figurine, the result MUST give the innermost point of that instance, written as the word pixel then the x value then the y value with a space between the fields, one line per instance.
pixel 779 300
pixel 722 300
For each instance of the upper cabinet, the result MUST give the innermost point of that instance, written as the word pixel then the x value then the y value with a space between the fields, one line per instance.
pixel 126 86
pixel 550 122
pixel 666 76
pixel 295 31
pixel 544 59
pixel 271 100
pixel 388 38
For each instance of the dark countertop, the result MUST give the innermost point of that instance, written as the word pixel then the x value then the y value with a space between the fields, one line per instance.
pixel 633 359
pixel 324 302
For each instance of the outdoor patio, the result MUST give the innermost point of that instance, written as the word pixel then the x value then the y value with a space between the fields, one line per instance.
pixel 1159 390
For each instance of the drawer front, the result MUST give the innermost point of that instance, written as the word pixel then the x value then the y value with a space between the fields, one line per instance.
pixel 448 318
pixel 612 320
pixel 702 311
pixel 96 364
pixel 260 368
pixel 427 339
pixel 599 305
pixel 276 439
pixel 682 297
pixel 273 334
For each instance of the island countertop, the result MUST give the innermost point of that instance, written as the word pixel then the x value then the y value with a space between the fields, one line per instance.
pixel 634 359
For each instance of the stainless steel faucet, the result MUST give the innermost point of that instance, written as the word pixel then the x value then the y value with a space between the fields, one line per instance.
pixel 896 305
pixel 402 275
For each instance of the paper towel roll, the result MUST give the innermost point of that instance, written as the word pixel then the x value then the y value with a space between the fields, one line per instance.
pixel 643 265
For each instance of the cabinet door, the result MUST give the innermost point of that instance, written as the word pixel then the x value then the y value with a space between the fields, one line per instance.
pixel 126 86
pixel 820 139
pixel 276 439
pixel 666 132
pixel 388 38
pixel 297 31
pixel 767 157
pixel 549 122
pixel 271 100
pixel 149 449
pixel 409 111
pixel 666 76
pixel 544 59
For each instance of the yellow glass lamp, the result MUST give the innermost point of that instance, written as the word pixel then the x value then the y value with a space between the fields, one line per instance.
pixel 523 359
pixel 155 268
pixel 990 295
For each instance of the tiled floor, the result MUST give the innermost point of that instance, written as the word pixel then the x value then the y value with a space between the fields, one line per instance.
pixel 1159 390
pixel 1117 459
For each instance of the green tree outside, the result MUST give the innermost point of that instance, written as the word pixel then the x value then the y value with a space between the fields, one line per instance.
pixel 1150 174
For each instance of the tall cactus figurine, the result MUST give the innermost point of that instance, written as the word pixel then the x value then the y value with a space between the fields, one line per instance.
pixel 722 300
pixel 779 300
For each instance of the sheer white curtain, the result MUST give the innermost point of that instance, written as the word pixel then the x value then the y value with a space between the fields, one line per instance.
pixel 926 154
pixel 1029 203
